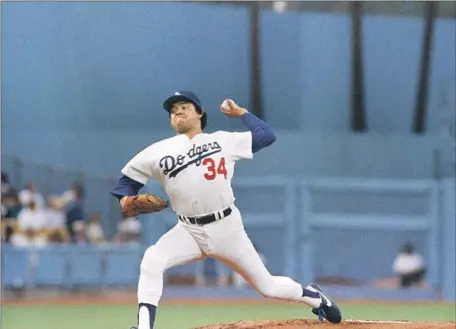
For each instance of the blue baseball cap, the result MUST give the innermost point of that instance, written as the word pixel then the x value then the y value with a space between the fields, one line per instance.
pixel 185 96
pixel 182 96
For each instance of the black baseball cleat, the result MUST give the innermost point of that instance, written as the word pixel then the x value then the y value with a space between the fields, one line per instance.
pixel 133 327
pixel 328 309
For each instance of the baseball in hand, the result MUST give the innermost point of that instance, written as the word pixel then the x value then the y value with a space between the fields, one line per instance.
pixel 230 108
pixel 226 105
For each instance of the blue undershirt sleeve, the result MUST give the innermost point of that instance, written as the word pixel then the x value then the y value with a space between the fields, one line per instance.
pixel 262 133
pixel 126 186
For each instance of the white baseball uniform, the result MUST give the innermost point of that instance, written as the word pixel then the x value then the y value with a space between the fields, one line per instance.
pixel 196 174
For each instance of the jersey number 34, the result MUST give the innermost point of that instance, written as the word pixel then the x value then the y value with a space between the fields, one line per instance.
pixel 214 169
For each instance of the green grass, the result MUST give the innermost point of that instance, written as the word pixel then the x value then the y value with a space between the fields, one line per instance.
pixel 177 316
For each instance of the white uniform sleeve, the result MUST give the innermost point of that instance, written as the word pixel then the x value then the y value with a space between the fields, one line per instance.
pixel 140 167
pixel 240 145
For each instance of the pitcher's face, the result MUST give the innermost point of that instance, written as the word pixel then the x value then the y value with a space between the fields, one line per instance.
pixel 184 117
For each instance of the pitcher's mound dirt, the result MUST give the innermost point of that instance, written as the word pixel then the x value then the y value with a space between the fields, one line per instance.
pixel 356 324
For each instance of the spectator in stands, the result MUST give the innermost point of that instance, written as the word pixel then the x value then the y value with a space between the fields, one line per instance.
pixel 409 267
pixel 129 231
pixel 94 231
pixel 55 214
pixel 10 202
pixel 79 229
pixel 55 224
pixel 31 221
pixel 6 187
pixel 11 207
pixel 70 195
pixel 57 237
pixel 30 193
pixel 76 217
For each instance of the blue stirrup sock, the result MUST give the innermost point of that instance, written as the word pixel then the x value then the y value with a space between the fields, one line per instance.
pixel 146 316
pixel 312 298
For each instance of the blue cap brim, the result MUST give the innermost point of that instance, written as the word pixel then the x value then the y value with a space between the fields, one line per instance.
pixel 170 101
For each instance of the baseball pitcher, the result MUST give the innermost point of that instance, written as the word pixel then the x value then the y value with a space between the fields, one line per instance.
pixel 196 169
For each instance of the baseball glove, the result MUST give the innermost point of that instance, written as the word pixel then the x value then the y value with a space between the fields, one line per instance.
pixel 142 204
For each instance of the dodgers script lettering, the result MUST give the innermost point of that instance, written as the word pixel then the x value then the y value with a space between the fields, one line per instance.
pixel 173 165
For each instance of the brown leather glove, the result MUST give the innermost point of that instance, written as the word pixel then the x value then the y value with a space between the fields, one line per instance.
pixel 142 204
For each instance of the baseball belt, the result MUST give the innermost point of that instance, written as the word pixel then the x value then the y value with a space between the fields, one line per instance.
pixel 207 219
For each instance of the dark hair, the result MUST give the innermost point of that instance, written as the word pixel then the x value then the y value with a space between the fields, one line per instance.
pixel 203 118
pixel 4 177
pixel 408 248
pixel 78 190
